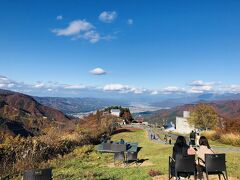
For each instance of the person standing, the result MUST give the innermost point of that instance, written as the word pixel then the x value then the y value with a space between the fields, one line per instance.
pixel 197 138
pixel 165 139
pixel 170 140
pixel 192 138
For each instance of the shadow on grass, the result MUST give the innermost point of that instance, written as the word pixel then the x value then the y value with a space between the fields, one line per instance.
pixel 142 160
pixel 138 149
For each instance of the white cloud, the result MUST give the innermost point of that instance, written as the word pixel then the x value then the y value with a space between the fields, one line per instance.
pixel 92 36
pixel 74 87
pixel 233 88
pixel 81 29
pixel 173 89
pixel 115 87
pixel 6 82
pixel 59 17
pixel 108 16
pixel 129 21
pixel 74 28
pixel 154 92
pixel 39 85
pixel 123 88
pixel 98 71
pixel 199 86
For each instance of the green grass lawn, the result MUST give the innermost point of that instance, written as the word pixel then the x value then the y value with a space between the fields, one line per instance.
pixel 86 163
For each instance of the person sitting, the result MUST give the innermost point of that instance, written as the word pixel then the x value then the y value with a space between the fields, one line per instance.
pixel 204 148
pixel 103 138
pixel 122 141
pixel 109 140
pixel 179 148
pixel 191 150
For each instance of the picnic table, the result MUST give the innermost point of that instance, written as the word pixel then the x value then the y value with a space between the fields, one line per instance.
pixel 125 152
pixel 130 147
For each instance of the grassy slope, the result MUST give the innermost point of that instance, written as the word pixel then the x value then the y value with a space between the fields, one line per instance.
pixel 86 163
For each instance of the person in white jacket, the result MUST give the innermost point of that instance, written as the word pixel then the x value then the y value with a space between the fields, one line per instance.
pixel 197 139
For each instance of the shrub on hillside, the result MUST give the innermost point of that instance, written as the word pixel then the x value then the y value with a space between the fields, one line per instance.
pixel 232 125
pixel 212 135
pixel 225 138
pixel 232 139
pixel 154 173
pixel 18 153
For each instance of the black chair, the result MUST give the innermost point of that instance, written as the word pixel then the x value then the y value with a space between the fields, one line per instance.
pixel 132 157
pixel 215 164
pixel 38 174
pixel 119 156
pixel 182 165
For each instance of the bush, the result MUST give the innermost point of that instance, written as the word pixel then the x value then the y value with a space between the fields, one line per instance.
pixel 225 138
pixel 18 153
pixel 154 173
pixel 212 135
pixel 232 139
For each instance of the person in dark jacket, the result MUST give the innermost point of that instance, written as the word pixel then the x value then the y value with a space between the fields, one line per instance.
pixel 179 148
pixel 192 138
pixel 103 139
pixel 122 141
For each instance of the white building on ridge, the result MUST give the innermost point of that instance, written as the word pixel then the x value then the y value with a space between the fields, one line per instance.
pixel 182 125
pixel 115 112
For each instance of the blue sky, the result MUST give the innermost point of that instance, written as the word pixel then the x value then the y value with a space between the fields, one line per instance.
pixel 138 46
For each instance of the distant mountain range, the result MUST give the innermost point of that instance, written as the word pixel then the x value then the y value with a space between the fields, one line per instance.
pixel 22 114
pixel 194 98
pixel 77 105
pixel 229 109
pixel 26 115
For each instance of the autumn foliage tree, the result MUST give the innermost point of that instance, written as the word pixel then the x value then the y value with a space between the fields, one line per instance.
pixel 203 116
pixel 232 125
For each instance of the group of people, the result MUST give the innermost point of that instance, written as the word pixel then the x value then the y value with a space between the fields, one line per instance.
pixel 182 148
pixel 105 139
pixel 152 136
pixel 167 139
pixel 194 138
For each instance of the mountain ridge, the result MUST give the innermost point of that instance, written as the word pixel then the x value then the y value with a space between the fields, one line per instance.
pixel 77 105
pixel 23 112
pixel 228 109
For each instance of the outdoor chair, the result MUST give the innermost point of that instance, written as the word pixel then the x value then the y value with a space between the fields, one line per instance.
pixel 215 164
pixel 38 174
pixel 183 165
pixel 132 157
pixel 119 156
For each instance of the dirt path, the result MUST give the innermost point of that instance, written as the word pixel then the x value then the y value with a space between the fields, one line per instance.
pixel 150 131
